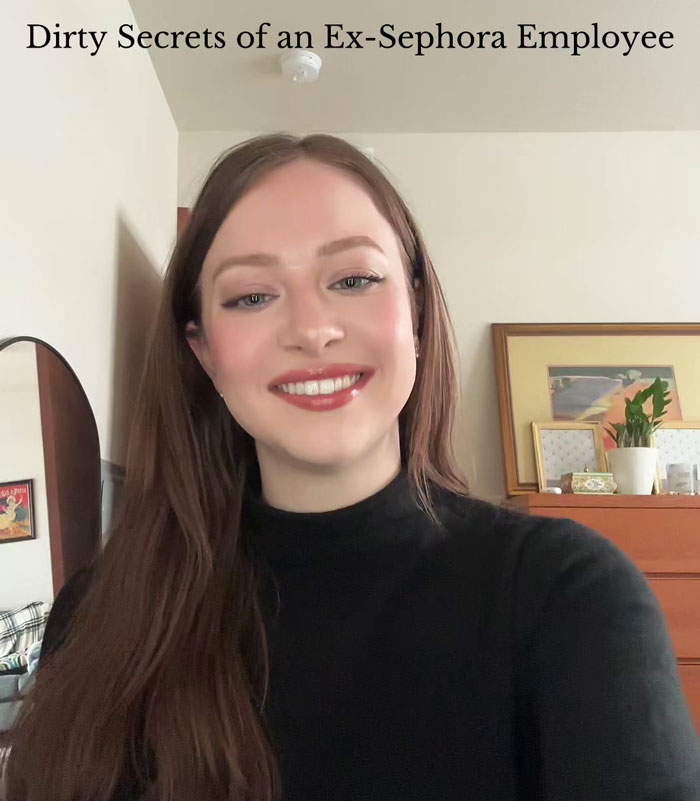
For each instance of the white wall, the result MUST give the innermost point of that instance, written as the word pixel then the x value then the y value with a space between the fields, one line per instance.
pixel 25 566
pixel 534 227
pixel 88 158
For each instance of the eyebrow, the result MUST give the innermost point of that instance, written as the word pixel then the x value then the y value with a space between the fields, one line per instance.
pixel 268 260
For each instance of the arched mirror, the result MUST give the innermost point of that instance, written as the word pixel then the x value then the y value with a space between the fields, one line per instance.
pixel 50 474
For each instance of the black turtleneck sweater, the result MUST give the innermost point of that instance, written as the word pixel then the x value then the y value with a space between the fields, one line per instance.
pixel 506 658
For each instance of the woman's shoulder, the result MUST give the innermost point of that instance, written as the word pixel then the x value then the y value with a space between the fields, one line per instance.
pixel 536 546
pixel 551 570
pixel 469 515
pixel 64 608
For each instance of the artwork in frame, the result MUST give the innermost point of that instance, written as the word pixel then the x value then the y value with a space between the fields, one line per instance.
pixel 677 441
pixel 16 511
pixel 597 393
pixel 582 372
pixel 564 447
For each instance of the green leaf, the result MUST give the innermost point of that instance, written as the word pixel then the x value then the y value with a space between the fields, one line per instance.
pixel 617 432
pixel 639 426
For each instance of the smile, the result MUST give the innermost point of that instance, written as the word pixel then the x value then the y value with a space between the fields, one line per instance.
pixel 325 395
pixel 324 387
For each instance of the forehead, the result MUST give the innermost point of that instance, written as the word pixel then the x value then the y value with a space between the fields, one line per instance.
pixel 296 208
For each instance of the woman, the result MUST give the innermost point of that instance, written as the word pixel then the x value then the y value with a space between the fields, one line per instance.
pixel 299 599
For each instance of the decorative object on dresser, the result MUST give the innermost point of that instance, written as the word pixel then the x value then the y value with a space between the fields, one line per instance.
pixel 582 372
pixel 634 460
pixel 661 534
pixel 677 441
pixel 564 447
pixel 682 478
pixel 587 483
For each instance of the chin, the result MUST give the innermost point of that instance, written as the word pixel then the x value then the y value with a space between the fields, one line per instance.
pixel 323 457
pixel 322 452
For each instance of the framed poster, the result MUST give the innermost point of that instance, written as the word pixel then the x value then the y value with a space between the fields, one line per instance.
pixel 16 511
pixel 582 372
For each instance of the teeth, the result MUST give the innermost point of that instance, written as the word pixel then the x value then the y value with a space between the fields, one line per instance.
pixel 325 387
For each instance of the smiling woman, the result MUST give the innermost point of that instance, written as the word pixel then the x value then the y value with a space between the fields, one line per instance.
pixel 299 600
pixel 294 239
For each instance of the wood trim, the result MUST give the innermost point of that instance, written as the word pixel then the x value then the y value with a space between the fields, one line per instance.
pixel 503 388
pixel 48 436
pixel 71 466
pixel 596 329
pixel 671 575
pixel 575 500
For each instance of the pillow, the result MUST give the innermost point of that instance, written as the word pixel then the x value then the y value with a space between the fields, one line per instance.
pixel 22 627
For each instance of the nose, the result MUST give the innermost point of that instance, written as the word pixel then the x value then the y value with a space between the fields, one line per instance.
pixel 311 325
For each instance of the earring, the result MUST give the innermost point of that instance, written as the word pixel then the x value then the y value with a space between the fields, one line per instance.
pixel 221 394
pixel 417 351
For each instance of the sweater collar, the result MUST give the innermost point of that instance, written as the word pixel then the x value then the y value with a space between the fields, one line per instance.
pixel 380 518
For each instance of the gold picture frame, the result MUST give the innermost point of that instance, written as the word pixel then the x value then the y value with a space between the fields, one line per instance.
pixel 526 353
pixel 577 454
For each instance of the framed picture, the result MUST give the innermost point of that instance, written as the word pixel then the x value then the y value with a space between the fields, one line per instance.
pixel 16 511
pixel 562 447
pixel 678 441
pixel 582 372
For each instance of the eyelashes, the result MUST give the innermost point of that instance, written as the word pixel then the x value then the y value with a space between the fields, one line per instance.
pixel 238 305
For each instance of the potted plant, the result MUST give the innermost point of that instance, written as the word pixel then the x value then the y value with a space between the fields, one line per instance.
pixel 633 462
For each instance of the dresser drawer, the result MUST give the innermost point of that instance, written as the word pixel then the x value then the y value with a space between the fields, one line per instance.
pixel 690 681
pixel 680 601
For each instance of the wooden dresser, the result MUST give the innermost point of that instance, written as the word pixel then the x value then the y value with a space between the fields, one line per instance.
pixel 661 534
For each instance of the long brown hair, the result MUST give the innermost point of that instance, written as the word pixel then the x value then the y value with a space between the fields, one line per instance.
pixel 166 658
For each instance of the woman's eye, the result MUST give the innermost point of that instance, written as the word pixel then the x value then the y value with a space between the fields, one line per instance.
pixel 372 279
pixel 237 303
pixel 254 297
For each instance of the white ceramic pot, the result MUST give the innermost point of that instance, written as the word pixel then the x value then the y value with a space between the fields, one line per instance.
pixel 634 469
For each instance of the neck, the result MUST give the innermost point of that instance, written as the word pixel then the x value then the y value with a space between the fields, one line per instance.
pixel 297 486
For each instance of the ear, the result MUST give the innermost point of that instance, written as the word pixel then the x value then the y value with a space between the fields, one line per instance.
pixel 198 342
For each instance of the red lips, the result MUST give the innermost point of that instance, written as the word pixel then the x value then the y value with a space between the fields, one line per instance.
pixel 319 373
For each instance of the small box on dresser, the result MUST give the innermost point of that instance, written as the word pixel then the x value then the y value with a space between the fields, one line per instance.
pixel 661 534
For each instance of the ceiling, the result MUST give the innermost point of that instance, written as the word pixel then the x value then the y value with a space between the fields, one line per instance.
pixel 376 89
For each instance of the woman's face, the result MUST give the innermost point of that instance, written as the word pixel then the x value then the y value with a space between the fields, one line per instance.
pixel 289 303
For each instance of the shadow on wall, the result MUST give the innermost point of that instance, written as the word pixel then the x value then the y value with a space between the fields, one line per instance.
pixel 482 437
pixel 138 285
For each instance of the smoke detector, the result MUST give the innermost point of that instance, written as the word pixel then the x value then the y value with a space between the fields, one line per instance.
pixel 302 66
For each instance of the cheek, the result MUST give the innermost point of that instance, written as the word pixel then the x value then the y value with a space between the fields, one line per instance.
pixel 238 350
pixel 391 322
